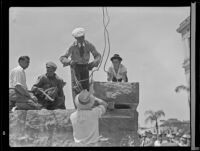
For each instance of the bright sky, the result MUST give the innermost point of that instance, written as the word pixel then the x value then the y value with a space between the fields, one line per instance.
pixel 145 37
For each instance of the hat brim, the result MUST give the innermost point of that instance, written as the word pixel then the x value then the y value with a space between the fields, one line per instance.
pixel 119 58
pixel 86 106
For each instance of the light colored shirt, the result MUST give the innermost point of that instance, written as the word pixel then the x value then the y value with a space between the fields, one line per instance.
pixel 85 125
pixel 121 74
pixel 18 76
pixel 74 53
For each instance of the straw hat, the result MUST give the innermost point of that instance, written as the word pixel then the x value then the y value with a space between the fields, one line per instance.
pixel 84 100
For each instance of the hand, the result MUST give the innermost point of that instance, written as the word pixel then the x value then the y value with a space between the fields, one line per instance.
pixel 34 99
pixel 31 102
pixel 90 65
pixel 39 91
pixel 65 64
pixel 72 63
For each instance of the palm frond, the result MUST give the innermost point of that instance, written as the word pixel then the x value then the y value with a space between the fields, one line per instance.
pixel 149 112
pixel 149 119
pixel 159 113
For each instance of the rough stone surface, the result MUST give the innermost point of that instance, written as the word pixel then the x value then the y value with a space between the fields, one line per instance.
pixel 53 128
pixel 120 93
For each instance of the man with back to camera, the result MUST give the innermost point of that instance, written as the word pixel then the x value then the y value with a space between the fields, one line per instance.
pixel 85 120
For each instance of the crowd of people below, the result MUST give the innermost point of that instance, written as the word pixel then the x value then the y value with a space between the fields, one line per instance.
pixel 165 140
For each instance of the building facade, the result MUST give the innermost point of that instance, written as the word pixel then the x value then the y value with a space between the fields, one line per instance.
pixel 184 30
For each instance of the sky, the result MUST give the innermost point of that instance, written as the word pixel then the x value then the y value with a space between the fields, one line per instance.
pixel 145 37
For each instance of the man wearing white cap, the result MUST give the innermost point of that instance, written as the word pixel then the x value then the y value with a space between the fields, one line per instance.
pixel 79 52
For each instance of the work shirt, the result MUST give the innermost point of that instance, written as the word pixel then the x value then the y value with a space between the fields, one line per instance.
pixel 46 82
pixel 121 74
pixel 74 53
pixel 18 76
pixel 85 125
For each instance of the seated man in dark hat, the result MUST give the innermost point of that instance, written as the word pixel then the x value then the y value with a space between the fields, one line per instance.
pixel 49 89
pixel 117 72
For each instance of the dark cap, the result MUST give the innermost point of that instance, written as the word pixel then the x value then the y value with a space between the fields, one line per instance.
pixel 116 56
pixel 51 65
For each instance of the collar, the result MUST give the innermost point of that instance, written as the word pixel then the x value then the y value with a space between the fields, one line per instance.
pixel 76 43
pixel 20 67
pixel 119 69
pixel 51 77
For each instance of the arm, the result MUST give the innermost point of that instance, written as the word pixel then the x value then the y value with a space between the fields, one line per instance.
pixel 38 85
pixel 124 74
pixel 96 55
pixel 101 102
pixel 60 90
pixel 64 59
pixel 124 77
pixel 23 91
pixel 18 78
pixel 109 74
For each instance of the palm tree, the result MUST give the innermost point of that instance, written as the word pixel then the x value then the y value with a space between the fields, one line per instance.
pixel 153 117
pixel 185 88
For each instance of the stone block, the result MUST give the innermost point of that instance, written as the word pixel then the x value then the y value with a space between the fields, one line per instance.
pixel 120 93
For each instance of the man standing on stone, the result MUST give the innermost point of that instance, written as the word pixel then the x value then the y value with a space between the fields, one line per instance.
pixel 19 95
pixel 79 52
pixel 49 89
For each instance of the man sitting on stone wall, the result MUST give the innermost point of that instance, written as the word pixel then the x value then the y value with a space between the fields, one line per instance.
pixel 19 96
pixel 49 89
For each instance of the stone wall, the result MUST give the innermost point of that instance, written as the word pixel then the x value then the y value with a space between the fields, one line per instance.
pixel 53 128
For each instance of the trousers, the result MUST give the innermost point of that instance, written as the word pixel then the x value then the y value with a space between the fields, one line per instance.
pixel 79 72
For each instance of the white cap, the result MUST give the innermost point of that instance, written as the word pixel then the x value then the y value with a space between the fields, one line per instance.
pixel 78 32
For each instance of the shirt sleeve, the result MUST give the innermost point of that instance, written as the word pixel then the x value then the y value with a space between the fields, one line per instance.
pixel 96 54
pixel 17 77
pixel 60 89
pixel 109 74
pixel 64 59
pixel 99 110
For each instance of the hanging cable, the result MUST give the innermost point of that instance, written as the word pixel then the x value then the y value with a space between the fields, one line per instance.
pixel 105 41
pixel 108 42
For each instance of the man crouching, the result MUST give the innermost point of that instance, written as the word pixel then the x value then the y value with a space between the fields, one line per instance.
pixel 49 89
pixel 85 120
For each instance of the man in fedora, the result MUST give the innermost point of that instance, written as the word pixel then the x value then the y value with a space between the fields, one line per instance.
pixel 85 120
pixel 49 89
pixel 79 52
pixel 117 72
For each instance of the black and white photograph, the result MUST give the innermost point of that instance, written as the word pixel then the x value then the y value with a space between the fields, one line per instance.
pixel 99 76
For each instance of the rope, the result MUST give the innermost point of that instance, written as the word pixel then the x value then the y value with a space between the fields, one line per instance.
pixel 108 41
